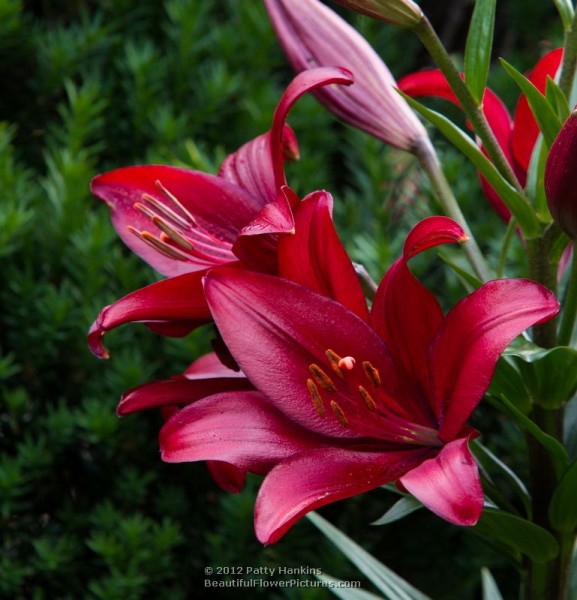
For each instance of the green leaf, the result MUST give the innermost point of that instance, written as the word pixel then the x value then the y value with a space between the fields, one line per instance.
pixel 565 8
pixel 563 508
pixel 556 450
pixel 557 99
pixel 549 376
pixel 525 537
pixel 339 588
pixel 507 381
pixel 572 592
pixel 471 282
pixel 520 208
pixel 490 589
pixel 389 583
pixel 496 467
pixel 403 507
pixel 478 47
pixel 546 117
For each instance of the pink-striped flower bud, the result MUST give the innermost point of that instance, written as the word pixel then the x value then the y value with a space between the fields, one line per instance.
pixel 560 170
pixel 402 13
pixel 313 35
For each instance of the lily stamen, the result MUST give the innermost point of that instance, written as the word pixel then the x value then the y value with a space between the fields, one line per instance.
pixel 322 378
pixel 157 244
pixel 316 397
pixel 372 373
pixel 341 417
pixel 176 201
pixel 161 209
pixel 334 360
pixel 172 233
pixel 367 398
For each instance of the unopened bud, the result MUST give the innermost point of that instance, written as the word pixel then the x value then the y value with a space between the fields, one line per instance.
pixel 312 35
pixel 402 13
pixel 560 172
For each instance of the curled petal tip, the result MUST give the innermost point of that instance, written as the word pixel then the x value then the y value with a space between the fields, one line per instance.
pixel 401 13
pixel 95 344
pixel 290 146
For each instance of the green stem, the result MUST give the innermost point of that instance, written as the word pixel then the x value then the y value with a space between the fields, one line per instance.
pixel 545 581
pixel 367 282
pixel 542 270
pixel 509 234
pixel 473 110
pixel 569 63
pixel 569 308
pixel 430 163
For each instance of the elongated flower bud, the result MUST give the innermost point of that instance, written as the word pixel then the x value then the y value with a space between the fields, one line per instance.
pixel 312 35
pixel 402 13
pixel 560 170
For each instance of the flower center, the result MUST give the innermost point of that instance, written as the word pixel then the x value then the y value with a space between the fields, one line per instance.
pixel 355 396
pixel 180 235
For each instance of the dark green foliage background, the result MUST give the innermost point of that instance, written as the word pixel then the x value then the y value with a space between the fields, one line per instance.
pixel 87 509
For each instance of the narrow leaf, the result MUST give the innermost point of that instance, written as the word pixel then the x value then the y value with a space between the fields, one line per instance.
pixel 471 282
pixel 546 117
pixel 555 449
pixel 526 537
pixel 557 99
pixel 478 47
pixel 563 508
pixel 339 588
pixel 520 208
pixel 494 466
pixel 389 583
pixel 565 9
pixel 490 589
pixel 403 507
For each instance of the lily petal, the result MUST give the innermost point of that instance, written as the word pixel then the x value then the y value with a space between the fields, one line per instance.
pixel 448 484
pixel 316 478
pixel 405 313
pixel 315 257
pixel 179 300
pixel 240 428
pixel 470 340
pixel 227 477
pixel 277 329
pixel 178 391
pixel 304 82
pixel 250 167
pixel 209 365
pixel 257 243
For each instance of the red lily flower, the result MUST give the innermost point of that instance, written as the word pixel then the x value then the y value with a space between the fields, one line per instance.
pixel 517 137
pixel 202 221
pixel 344 406
pixel 313 35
